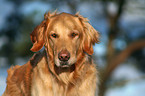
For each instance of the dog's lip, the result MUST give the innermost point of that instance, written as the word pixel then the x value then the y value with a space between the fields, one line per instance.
pixel 64 64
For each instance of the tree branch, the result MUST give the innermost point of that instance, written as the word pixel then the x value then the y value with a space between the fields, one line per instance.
pixel 116 61
pixel 113 28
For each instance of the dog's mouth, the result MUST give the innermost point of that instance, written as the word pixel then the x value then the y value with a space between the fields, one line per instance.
pixel 64 67
pixel 64 64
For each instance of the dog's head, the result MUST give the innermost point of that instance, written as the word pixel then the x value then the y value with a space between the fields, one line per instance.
pixel 64 37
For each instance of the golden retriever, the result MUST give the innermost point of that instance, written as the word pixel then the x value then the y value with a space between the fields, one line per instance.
pixel 65 67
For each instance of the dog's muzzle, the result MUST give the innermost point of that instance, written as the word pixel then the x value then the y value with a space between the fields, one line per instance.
pixel 64 56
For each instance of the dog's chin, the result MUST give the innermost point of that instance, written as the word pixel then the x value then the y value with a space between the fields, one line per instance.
pixel 61 68
pixel 62 64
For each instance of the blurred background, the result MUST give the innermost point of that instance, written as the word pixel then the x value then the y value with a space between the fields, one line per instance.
pixel 120 55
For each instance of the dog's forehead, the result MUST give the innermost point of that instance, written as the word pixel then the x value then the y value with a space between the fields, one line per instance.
pixel 64 16
pixel 63 21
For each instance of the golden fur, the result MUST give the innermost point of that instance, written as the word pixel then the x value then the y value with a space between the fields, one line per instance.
pixel 43 74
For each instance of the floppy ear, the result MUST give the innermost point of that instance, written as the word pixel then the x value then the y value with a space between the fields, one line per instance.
pixel 37 37
pixel 91 36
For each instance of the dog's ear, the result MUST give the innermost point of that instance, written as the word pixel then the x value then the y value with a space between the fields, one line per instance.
pixel 91 36
pixel 37 37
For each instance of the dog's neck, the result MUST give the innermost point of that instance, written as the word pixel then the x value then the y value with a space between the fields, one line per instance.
pixel 62 75
pixel 45 79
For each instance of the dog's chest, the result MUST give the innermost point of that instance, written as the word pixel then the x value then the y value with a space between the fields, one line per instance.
pixel 47 88
pixel 46 85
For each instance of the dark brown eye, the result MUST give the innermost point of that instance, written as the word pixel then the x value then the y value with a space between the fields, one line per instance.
pixel 74 34
pixel 54 35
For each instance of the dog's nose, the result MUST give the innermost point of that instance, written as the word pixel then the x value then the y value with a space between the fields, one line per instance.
pixel 64 55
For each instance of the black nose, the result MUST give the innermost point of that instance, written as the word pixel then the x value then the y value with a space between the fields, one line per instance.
pixel 64 55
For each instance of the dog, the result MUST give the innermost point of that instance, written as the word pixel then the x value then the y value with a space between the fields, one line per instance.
pixel 64 67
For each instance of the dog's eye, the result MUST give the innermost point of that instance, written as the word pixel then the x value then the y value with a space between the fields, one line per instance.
pixel 74 34
pixel 54 35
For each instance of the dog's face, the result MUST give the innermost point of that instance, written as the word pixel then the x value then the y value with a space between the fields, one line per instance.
pixel 65 36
